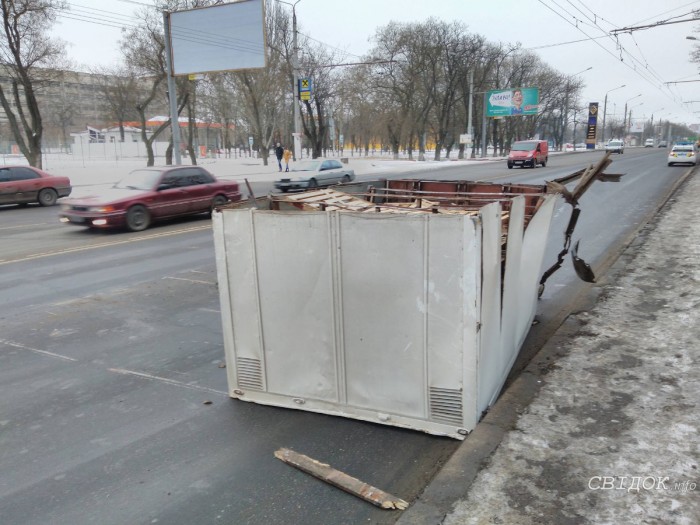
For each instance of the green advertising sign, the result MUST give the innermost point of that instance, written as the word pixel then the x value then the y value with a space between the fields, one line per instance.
pixel 516 101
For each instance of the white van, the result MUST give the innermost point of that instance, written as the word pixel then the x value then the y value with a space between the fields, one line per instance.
pixel 649 143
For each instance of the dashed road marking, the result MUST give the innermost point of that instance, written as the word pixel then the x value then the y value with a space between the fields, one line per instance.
pixel 36 350
pixel 151 377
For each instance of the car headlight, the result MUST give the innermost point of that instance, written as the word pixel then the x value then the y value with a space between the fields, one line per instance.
pixel 101 209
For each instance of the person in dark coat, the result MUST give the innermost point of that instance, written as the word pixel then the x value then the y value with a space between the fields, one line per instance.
pixel 279 152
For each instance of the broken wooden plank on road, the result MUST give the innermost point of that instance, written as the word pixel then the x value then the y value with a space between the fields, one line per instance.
pixel 341 480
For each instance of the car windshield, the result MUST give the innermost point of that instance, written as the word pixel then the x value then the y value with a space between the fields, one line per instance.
pixel 309 165
pixel 683 148
pixel 139 180
pixel 523 146
pixel 614 143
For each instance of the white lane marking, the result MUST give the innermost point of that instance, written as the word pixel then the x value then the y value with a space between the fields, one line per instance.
pixel 189 280
pixel 151 377
pixel 103 245
pixel 36 350
pixel 17 227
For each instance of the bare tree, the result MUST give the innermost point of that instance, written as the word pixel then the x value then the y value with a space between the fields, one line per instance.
pixel 119 88
pixel 263 91
pixel 24 51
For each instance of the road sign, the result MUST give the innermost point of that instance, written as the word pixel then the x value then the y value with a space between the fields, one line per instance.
pixel 250 141
pixel 305 84
pixel 305 88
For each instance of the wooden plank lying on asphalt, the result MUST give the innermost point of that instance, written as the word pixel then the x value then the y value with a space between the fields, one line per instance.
pixel 341 480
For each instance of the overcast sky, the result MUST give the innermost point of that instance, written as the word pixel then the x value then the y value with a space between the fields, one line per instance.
pixel 569 35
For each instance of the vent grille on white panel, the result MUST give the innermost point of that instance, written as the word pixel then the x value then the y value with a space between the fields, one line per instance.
pixel 446 405
pixel 249 373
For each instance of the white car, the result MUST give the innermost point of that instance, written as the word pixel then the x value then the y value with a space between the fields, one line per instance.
pixel 616 146
pixel 649 143
pixel 312 174
pixel 683 154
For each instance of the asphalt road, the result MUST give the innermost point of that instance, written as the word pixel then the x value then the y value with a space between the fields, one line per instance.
pixel 114 406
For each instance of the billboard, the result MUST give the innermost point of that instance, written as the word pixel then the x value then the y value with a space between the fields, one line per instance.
pixel 515 101
pixel 636 126
pixel 218 38
pixel 592 129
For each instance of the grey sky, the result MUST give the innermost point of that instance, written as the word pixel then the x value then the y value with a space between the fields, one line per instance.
pixel 570 35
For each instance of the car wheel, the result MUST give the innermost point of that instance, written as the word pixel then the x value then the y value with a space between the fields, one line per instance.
pixel 346 179
pixel 138 218
pixel 510 166
pixel 534 163
pixel 544 162
pixel 48 197
pixel 313 183
pixel 217 202
pixel 670 163
pixel 284 190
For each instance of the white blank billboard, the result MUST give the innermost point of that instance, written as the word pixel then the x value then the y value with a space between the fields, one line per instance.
pixel 218 38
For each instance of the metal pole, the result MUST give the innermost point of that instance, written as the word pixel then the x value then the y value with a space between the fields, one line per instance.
pixel 605 110
pixel 483 130
pixel 172 93
pixel 295 66
pixel 470 127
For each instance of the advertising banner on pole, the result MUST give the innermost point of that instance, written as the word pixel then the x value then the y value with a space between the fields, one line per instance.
pixel 592 125
pixel 516 101
pixel 637 126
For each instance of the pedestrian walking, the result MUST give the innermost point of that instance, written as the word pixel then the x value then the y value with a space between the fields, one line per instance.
pixel 279 152
pixel 287 156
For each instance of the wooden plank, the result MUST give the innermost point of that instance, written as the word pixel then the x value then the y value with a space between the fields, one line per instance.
pixel 341 480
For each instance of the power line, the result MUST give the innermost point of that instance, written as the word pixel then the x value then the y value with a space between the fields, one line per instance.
pixel 649 26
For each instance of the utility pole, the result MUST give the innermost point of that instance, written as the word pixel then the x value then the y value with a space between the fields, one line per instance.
pixel 605 108
pixel 470 127
pixel 483 129
pixel 297 110
pixel 172 93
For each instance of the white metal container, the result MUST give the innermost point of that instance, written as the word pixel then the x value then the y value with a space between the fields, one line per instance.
pixel 405 320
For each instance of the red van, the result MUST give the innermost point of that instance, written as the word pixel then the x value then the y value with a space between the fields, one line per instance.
pixel 528 153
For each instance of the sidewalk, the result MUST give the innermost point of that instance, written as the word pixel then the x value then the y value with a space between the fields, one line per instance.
pixel 96 172
pixel 602 427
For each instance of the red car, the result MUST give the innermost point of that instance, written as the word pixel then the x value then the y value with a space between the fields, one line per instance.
pixel 24 184
pixel 150 194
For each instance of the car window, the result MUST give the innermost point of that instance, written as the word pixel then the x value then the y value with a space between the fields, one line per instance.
pixel 202 177
pixel 335 164
pixel 4 175
pixel 523 146
pixel 326 165
pixel 139 180
pixel 311 165
pixel 20 173
pixel 177 179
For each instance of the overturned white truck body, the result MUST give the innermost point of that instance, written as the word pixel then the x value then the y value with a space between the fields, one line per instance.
pixel 405 307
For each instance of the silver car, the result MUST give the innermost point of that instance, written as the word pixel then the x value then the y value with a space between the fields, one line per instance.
pixel 615 146
pixel 311 174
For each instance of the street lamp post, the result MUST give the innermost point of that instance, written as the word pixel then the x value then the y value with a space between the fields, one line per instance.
pixel 624 123
pixel 605 107
pixel 566 107
pixel 629 120
pixel 295 76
